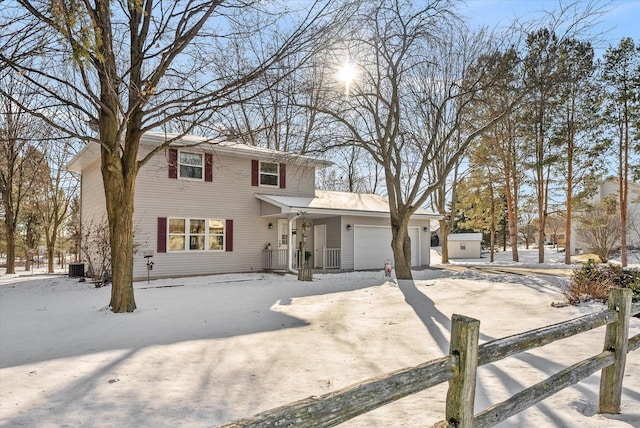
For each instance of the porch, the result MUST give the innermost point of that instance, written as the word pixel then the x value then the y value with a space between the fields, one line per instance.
pixel 276 259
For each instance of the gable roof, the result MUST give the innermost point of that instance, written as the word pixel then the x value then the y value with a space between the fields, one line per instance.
pixel 338 203
pixel 91 152
pixel 456 237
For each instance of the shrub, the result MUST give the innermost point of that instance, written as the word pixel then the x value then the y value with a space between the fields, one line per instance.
pixel 591 282
pixel 96 251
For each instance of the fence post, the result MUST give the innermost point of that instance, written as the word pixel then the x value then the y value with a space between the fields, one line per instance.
pixel 616 340
pixel 465 332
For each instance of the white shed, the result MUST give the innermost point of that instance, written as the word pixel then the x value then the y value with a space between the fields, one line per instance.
pixel 464 245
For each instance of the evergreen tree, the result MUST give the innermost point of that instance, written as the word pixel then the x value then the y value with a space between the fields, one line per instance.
pixel 621 75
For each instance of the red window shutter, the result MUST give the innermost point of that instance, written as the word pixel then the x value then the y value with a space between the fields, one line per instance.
pixel 283 176
pixel 208 167
pixel 254 172
pixel 162 234
pixel 173 163
pixel 228 230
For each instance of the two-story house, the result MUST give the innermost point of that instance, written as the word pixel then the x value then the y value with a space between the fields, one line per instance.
pixel 204 208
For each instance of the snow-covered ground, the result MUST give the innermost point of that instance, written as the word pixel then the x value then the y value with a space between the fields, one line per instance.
pixel 206 350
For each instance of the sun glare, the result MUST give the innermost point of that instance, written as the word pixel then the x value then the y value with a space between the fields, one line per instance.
pixel 347 73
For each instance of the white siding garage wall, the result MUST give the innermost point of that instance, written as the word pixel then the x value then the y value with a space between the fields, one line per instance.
pixel 372 246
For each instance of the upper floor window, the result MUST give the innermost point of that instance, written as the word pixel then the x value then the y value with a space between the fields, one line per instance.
pixel 269 174
pixel 191 165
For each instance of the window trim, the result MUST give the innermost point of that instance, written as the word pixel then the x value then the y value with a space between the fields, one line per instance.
pixel 261 173
pixel 187 235
pixel 202 166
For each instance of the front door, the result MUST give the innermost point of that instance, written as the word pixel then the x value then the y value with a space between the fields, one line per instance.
pixel 283 233
pixel 319 243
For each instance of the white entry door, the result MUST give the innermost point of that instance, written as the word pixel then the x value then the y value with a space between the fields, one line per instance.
pixel 283 233
pixel 319 244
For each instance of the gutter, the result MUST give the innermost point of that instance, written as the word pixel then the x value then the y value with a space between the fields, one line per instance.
pixel 291 249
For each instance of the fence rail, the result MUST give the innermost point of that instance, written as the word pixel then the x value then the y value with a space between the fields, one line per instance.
pixel 459 368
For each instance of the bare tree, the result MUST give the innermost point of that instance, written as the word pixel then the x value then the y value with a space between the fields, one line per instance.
pixel 130 67
pixel 528 227
pixel 410 58
pixel 95 250
pixel 600 229
pixel 277 118
pixel 555 224
pixel 19 135
pixel 53 205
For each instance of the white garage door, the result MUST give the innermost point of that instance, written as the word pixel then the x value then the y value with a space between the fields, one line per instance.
pixel 372 247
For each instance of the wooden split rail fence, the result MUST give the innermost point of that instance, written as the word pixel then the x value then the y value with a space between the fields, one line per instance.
pixel 460 366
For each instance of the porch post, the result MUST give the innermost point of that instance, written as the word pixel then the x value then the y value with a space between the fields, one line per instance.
pixel 290 248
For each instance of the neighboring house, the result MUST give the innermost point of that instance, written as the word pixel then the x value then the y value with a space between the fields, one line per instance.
pixel 203 208
pixel 606 188
pixel 464 245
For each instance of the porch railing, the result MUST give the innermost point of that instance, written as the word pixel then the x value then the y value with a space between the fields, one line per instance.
pixel 331 258
pixel 277 259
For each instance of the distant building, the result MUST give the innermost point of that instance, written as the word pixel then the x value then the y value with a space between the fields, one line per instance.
pixel 464 245
pixel 606 188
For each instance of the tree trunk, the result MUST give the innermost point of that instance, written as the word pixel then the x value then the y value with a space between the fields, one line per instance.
pixel 444 234
pixel 11 247
pixel 401 246
pixel 51 247
pixel 512 217
pixel 567 227
pixel 119 194
pixel 623 186
pixel 492 239
pixel 50 257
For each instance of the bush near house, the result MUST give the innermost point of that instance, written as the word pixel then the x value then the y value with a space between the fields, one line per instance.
pixel 592 282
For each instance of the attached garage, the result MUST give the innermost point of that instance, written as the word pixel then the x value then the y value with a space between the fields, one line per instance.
pixel 372 246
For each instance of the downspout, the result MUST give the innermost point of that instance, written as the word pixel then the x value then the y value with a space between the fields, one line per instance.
pixel 291 249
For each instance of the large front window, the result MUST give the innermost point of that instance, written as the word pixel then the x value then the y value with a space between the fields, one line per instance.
pixel 269 174
pixel 191 165
pixel 196 234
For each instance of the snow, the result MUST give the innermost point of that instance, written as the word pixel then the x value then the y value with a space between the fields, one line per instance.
pixel 203 351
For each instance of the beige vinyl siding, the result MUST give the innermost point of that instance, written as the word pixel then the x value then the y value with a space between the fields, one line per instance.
pixel 333 230
pixel 268 209
pixel 229 196
pixel 425 242
pixel 93 209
